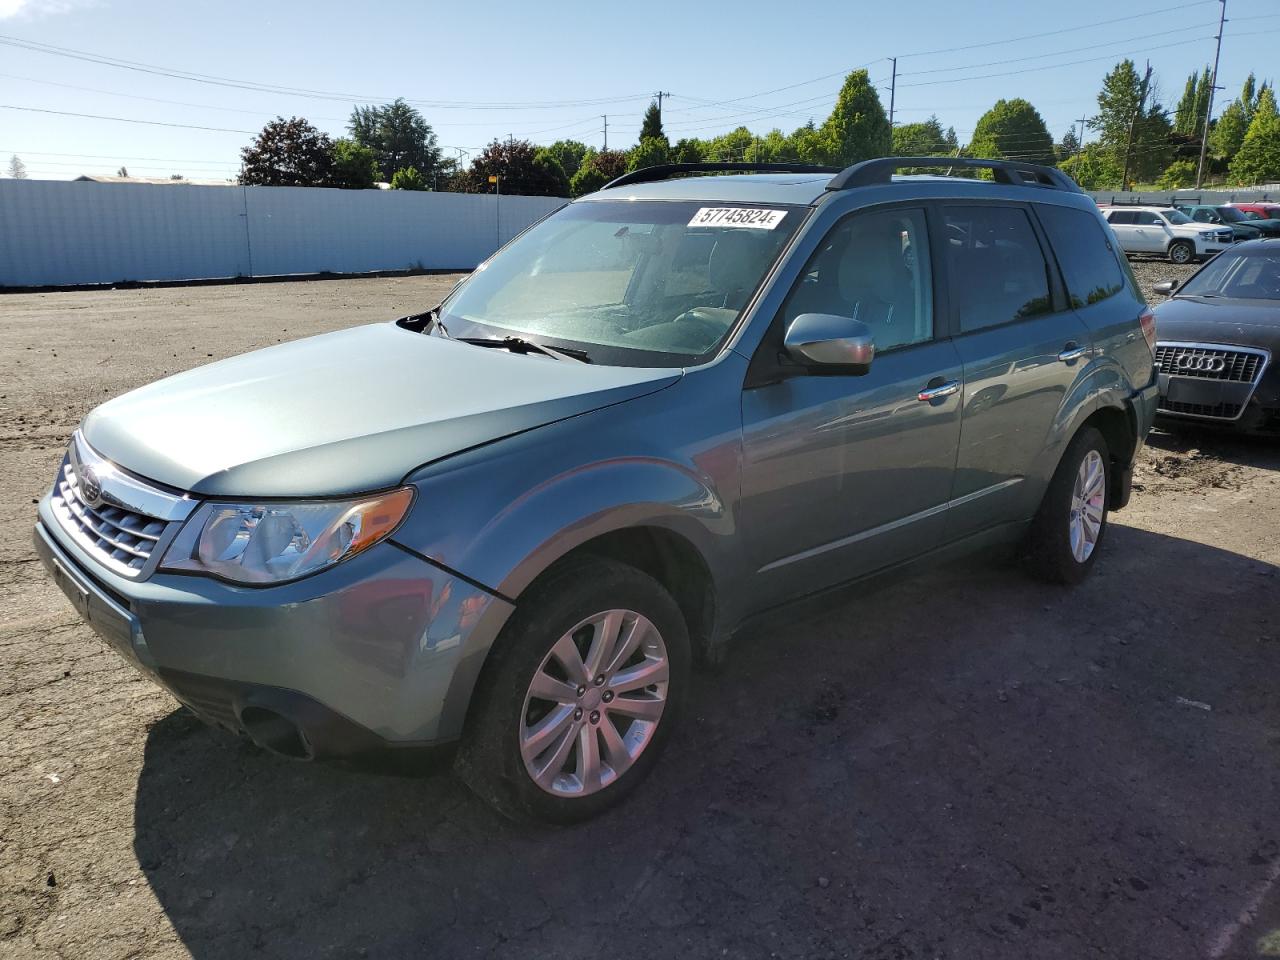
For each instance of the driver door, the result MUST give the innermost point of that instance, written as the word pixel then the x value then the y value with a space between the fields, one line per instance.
pixel 841 474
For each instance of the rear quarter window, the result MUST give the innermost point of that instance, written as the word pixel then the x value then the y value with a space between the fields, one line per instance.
pixel 1085 253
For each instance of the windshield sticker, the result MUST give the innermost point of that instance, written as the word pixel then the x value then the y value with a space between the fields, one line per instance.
pixel 751 217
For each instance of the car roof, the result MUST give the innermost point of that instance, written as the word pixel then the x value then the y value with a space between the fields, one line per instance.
pixel 810 188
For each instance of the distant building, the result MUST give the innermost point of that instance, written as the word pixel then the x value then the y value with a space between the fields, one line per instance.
pixel 159 181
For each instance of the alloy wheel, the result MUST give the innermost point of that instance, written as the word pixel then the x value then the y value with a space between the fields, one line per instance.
pixel 594 703
pixel 1088 503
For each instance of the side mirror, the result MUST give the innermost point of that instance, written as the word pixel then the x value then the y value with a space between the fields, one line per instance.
pixel 837 344
pixel 1166 287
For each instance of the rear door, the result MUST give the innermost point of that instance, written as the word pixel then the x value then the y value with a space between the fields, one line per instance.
pixel 1022 348
pixel 1124 223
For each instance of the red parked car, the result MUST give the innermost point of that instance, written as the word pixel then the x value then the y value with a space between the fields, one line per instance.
pixel 1267 211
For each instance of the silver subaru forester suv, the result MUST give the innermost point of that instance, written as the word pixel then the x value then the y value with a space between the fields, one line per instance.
pixel 505 528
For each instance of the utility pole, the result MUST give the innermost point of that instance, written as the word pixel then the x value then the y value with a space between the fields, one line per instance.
pixel 1133 122
pixel 1213 86
pixel 893 89
pixel 605 118
pixel 658 96
pixel 1080 141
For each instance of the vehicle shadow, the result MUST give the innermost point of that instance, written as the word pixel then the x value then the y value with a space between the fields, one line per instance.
pixel 966 764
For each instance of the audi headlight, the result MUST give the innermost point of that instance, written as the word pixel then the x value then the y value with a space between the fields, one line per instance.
pixel 267 542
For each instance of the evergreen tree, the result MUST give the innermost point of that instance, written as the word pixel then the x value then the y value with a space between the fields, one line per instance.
pixel 399 138
pixel 1259 158
pixel 858 128
pixel 651 126
pixel 1068 146
pixel 1228 131
pixel 649 152
pixel 17 169
pixel 1185 117
pixel 923 139
pixel 1124 102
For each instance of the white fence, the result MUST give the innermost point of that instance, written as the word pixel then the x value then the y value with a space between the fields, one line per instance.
pixel 55 233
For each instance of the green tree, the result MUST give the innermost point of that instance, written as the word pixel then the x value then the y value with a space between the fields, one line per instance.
pixel 923 139
pixel 858 128
pixel 17 169
pixel 774 147
pixel 516 163
pixel 1178 175
pixel 1068 146
pixel 399 137
pixel 688 150
pixel 649 152
pixel 651 126
pixel 288 153
pixel 598 169
pixel 550 164
pixel 1094 168
pixel 731 146
pixel 1259 158
pixel 408 179
pixel 1013 129
pixel 1228 132
pixel 813 145
pixel 1185 118
pixel 1126 101
pixel 354 166
pixel 569 154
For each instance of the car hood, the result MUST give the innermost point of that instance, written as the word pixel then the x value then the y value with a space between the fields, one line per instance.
pixel 344 412
pixel 1248 323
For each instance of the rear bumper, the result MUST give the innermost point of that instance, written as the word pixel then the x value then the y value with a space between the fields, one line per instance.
pixel 380 651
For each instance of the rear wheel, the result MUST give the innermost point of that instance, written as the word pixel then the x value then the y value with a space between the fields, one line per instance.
pixel 1182 251
pixel 1072 520
pixel 581 694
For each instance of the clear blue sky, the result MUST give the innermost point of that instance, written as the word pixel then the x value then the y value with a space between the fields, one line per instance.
pixel 546 71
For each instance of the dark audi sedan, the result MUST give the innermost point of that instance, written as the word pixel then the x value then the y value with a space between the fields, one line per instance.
pixel 1215 340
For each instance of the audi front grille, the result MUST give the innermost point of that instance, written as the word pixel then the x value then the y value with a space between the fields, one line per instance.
pixel 1207 362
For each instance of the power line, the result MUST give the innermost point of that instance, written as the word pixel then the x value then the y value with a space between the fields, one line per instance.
pixel 140 67
pixel 150 123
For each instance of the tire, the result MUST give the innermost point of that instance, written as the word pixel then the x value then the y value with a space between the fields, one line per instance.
pixel 1182 251
pixel 1060 547
pixel 513 733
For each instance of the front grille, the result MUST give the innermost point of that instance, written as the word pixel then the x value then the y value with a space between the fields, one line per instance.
pixel 119 539
pixel 1220 411
pixel 1208 363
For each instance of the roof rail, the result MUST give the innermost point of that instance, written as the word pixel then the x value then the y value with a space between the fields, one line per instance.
pixel 665 171
pixel 880 170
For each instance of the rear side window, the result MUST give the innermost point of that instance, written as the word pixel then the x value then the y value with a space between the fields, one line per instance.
pixel 1122 216
pixel 995 265
pixel 1088 261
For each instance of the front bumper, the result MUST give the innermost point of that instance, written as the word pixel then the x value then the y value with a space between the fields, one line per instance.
pixel 379 651
pixel 1233 405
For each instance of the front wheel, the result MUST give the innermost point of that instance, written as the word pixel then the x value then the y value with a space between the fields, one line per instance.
pixel 581 694
pixel 1072 520
pixel 1182 251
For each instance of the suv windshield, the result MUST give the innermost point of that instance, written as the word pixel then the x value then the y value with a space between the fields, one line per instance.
pixel 635 283
pixel 1233 274
pixel 1176 217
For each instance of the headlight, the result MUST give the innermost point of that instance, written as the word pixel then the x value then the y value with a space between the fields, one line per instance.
pixel 1210 235
pixel 274 542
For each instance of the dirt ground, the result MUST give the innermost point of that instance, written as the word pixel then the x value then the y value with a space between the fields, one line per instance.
pixel 968 764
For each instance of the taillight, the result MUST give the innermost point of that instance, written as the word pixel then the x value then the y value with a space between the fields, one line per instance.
pixel 1148 322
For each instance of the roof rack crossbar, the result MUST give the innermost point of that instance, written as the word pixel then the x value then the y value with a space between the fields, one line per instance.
pixel 881 169
pixel 665 171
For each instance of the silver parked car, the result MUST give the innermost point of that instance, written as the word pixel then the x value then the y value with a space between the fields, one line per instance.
pixel 507 526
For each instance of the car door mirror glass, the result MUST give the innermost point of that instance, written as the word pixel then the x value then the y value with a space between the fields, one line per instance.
pixel 833 343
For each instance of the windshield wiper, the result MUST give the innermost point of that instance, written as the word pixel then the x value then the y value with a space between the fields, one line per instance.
pixel 425 322
pixel 523 346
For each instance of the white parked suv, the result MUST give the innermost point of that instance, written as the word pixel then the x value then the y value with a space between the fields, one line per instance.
pixel 1165 231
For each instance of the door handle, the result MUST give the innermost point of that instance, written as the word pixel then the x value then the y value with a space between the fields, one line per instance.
pixel 1072 352
pixel 938 392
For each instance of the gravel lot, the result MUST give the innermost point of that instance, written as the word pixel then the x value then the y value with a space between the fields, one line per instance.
pixel 968 764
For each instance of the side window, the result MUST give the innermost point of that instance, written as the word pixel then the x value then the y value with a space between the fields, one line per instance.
pixel 1122 217
pixel 995 265
pixel 873 267
pixel 1148 219
pixel 1202 215
pixel 1084 251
